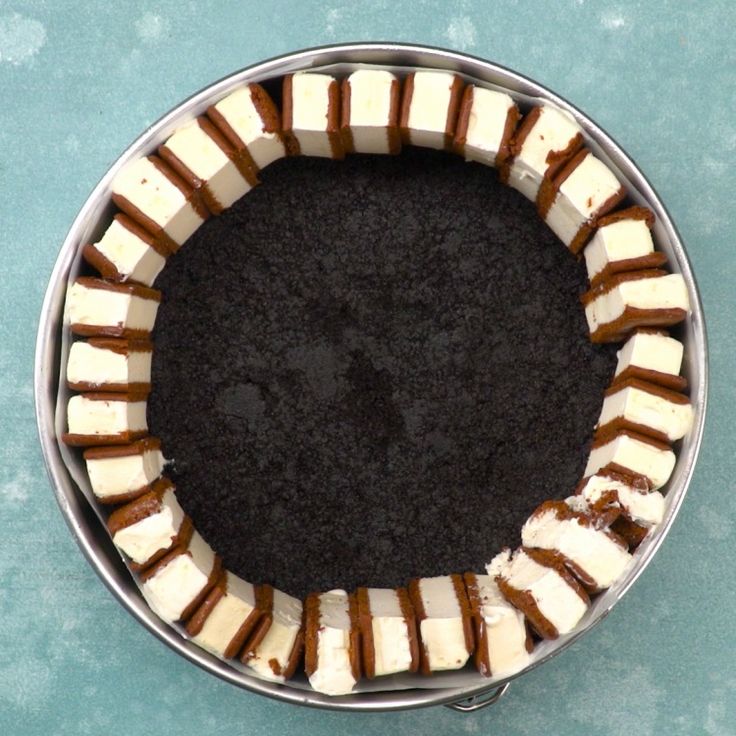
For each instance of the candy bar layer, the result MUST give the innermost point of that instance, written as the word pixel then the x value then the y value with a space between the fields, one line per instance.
pixel 651 298
pixel 311 114
pixel 332 642
pixel 226 617
pixel 148 527
pixel 124 472
pixel 275 647
pixel 126 252
pixel 110 364
pixel 105 419
pixel 445 627
pixel 546 139
pixel 632 454
pixel 175 586
pixel 503 643
pixel 162 202
pixel 534 581
pixel 630 494
pixel 252 123
pixel 595 556
pixel 583 190
pixel 622 242
pixel 429 108
pixel 370 112
pixel 96 307
pixel 204 158
pixel 388 631
pixel 646 408
pixel 485 125
pixel 652 356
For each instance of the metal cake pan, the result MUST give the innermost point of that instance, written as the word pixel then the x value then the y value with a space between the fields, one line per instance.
pixel 463 691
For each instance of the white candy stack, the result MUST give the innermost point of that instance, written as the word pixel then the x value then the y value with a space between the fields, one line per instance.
pixel 311 115
pixel 370 112
pixel 445 628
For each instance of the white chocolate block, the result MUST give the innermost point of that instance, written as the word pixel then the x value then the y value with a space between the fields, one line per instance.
pixel 333 674
pixel 108 362
pixel 429 108
pixel 667 291
pixel 631 452
pixel 314 114
pixel 503 633
pixel 371 109
pixel 143 185
pixel 660 411
pixel 231 612
pixel 591 551
pixel 491 117
pixel 179 580
pixel 97 307
pixel 392 648
pixel 651 352
pixel 273 654
pixel 127 253
pixel 123 474
pixel 155 532
pixel 108 417
pixel 645 509
pixel 554 599
pixel 552 132
pixel 616 243
pixel 590 189
pixel 250 120
pixel 443 628
pixel 195 145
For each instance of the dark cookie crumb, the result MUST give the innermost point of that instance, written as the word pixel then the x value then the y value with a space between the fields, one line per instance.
pixel 371 370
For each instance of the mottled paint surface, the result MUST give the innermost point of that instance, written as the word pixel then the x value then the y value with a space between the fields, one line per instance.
pixel 78 84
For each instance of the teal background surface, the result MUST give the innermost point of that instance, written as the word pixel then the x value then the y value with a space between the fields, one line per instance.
pixel 80 80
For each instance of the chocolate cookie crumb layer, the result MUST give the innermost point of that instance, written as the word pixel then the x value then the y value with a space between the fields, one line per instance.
pixel 372 370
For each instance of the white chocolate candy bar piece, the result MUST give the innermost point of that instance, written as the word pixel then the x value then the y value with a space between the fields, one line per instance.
pixel 312 114
pixel 179 580
pixel 645 509
pixel 650 351
pixel 633 453
pixel 140 541
pixel 273 654
pixel 555 599
pixel 391 637
pixel 249 119
pixel 487 121
pixel 553 131
pixel 112 475
pixel 106 415
pixel 143 185
pixel 429 110
pixel 442 630
pixel 590 189
pixel 97 307
pixel 108 363
pixel 370 111
pixel 196 146
pixel 224 622
pixel 126 253
pixel 662 292
pixel 334 671
pixel 503 628
pixel 591 550
pixel 664 414
pixel 618 242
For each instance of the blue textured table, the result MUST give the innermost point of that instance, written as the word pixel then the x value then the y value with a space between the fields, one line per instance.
pixel 77 84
